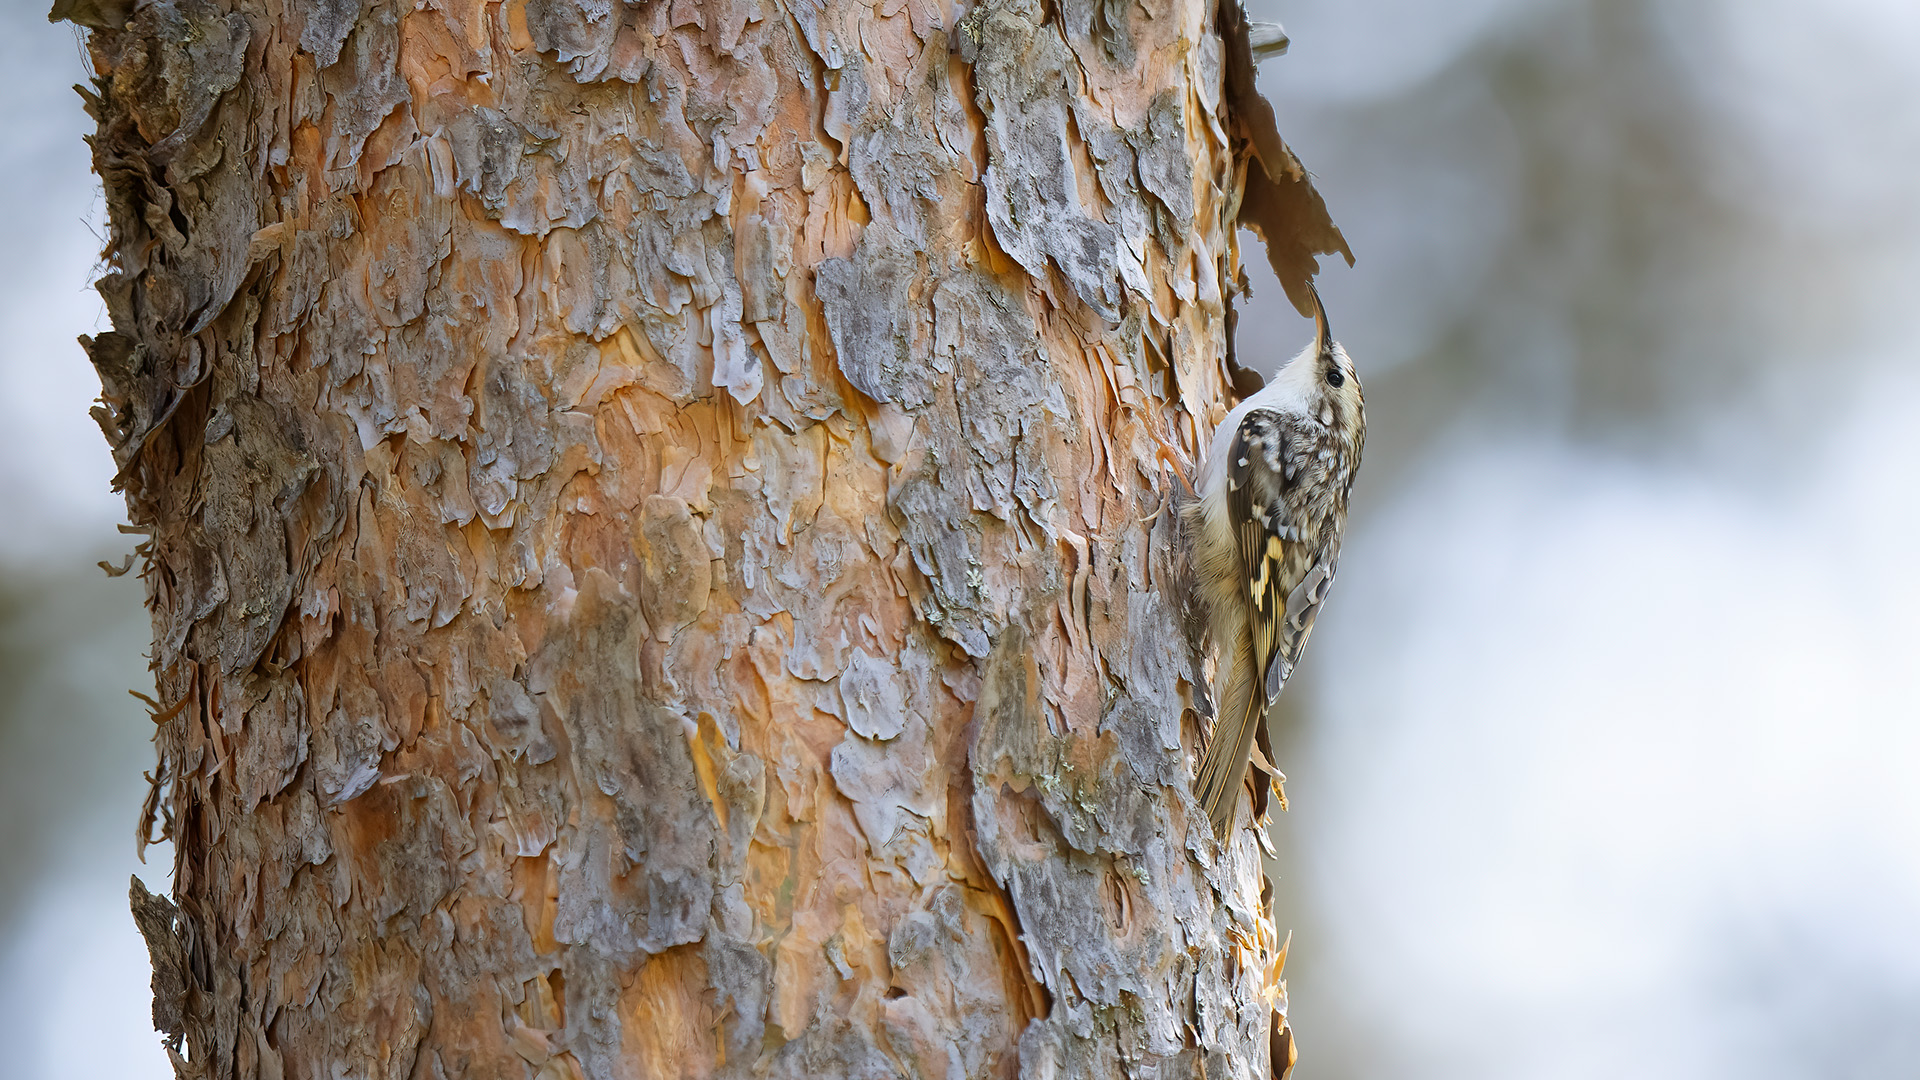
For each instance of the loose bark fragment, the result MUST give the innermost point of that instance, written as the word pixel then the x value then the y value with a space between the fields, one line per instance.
pixel 158 921
pixel 1280 202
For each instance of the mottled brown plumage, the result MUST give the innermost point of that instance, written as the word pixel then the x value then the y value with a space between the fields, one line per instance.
pixel 1265 535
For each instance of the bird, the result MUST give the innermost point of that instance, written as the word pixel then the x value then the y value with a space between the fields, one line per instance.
pixel 1264 540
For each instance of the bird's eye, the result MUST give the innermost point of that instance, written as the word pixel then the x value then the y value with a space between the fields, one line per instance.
pixel 1334 378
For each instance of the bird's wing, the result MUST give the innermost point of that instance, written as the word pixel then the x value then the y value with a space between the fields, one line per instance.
pixel 1262 465
pixel 1303 606
pixel 1258 476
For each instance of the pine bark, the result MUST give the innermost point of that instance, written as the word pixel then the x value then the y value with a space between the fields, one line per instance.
pixel 660 564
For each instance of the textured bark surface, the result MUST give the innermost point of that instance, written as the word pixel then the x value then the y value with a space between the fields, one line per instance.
pixel 654 565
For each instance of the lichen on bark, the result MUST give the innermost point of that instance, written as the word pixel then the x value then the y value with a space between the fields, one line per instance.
pixel 660 565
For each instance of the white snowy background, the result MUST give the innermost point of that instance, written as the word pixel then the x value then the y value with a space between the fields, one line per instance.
pixel 1603 762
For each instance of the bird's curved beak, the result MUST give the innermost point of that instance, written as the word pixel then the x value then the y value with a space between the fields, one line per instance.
pixel 1322 336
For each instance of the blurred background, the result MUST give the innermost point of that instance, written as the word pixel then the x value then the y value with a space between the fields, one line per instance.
pixel 1603 760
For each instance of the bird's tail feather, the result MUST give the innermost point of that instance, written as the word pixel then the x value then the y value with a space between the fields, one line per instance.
pixel 1223 765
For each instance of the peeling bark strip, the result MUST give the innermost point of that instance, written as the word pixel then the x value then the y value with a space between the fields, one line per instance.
pixel 655 567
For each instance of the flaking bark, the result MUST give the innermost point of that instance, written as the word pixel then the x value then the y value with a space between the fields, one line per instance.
pixel 659 564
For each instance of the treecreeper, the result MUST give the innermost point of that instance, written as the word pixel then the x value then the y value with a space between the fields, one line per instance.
pixel 1265 541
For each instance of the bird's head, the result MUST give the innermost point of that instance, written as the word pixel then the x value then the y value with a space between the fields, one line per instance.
pixel 1320 380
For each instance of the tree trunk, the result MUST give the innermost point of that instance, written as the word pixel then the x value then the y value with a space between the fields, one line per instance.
pixel 659 565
